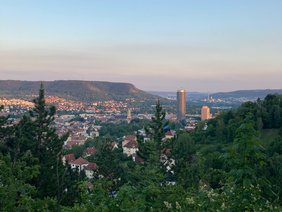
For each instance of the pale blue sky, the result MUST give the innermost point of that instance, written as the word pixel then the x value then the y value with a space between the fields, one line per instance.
pixel 200 45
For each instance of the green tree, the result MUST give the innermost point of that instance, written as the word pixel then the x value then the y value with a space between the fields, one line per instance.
pixel 156 127
pixel 246 157
pixel 109 161
pixel 187 167
pixel 247 162
pixel 47 147
pixel 148 151
pixel 14 177
pixel 275 165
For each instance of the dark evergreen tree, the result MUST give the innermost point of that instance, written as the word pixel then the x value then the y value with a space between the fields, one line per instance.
pixel 148 151
pixel 156 127
pixel 51 182
pixel 109 162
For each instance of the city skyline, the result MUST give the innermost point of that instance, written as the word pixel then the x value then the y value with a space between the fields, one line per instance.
pixel 156 45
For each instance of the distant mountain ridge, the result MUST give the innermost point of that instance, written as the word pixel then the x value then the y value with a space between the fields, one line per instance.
pixel 77 90
pixel 173 94
pixel 250 94
pixel 247 93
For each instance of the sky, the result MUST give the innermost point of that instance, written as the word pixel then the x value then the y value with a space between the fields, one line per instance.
pixel 158 45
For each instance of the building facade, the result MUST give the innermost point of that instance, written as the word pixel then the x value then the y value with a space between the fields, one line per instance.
pixel 205 113
pixel 181 104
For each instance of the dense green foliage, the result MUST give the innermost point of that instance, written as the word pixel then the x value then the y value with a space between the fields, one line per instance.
pixel 246 93
pixel 32 173
pixel 232 165
pixel 118 130
pixel 265 114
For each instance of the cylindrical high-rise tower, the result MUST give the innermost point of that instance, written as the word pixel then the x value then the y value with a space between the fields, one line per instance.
pixel 181 104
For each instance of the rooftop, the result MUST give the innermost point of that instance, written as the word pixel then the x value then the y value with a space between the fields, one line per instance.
pixel 80 161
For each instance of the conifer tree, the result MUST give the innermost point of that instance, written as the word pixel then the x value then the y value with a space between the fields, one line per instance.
pixel 152 173
pixel 108 160
pixel 150 151
pixel 51 181
pixel 47 147
pixel 156 127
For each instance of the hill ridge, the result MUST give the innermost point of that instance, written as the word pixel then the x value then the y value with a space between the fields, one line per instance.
pixel 78 90
pixel 259 93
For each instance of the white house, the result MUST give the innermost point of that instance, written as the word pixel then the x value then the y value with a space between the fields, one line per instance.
pixel 130 148
pixel 90 169
pixel 79 164
pixel 169 134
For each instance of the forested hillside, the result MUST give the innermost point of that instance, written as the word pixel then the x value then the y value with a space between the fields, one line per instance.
pixel 86 91
pixel 233 164
pixel 247 93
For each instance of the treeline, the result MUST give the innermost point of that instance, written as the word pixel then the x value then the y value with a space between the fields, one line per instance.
pixel 225 166
pixel 266 114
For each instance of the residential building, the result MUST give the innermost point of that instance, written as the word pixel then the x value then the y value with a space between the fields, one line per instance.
pixel 169 134
pixel 130 145
pixel 68 158
pixel 90 169
pixel 79 164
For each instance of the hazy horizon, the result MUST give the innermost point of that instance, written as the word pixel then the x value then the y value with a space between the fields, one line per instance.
pixel 164 91
pixel 157 45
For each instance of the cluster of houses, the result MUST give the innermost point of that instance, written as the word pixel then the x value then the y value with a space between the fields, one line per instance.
pixel 129 146
pixel 16 102
pixel 14 107
pixel 110 106
pixel 80 163
pixel 130 149
pixel 64 104
pixel 79 131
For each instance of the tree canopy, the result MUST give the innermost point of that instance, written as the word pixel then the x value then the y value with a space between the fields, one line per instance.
pixel 232 165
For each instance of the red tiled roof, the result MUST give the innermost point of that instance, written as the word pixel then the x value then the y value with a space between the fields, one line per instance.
pixel 80 161
pixel 70 157
pixel 90 150
pixel 131 144
pixel 130 137
pixel 91 166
